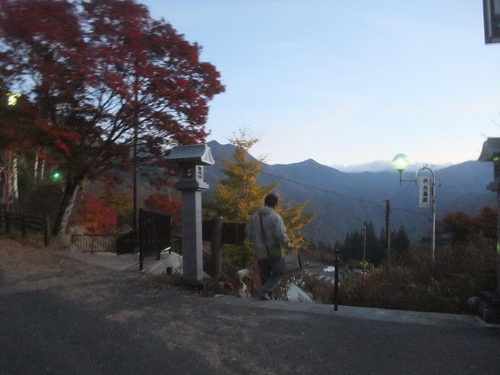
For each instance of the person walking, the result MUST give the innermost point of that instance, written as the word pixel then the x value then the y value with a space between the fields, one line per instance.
pixel 267 231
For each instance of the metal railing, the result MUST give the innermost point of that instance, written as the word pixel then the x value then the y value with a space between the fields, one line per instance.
pixel 94 242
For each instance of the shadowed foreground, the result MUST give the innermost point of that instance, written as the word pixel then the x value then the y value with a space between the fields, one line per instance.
pixel 61 316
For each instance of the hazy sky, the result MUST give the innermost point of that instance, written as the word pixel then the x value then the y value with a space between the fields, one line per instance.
pixel 347 82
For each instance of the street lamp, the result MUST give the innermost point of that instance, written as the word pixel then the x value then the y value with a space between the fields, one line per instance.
pixel 427 191
pixel 12 98
pixel 400 163
pixel 56 176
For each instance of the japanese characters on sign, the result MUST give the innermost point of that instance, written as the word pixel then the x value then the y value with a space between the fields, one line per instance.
pixel 424 191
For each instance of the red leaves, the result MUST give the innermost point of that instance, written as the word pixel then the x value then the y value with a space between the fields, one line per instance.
pixel 46 158
pixel 59 137
pixel 463 227
pixel 108 62
pixel 39 20
pixel 96 216
pixel 164 204
pixel 62 146
pixel 98 71
pixel 182 83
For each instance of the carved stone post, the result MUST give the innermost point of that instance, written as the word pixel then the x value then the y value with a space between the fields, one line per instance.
pixel 191 159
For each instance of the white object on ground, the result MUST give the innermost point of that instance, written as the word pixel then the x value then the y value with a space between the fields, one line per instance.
pixel 294 293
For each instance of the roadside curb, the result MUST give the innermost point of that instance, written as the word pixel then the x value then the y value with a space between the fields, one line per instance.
pixel 367 313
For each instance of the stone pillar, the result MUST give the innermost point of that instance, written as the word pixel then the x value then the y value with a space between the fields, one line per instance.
pixel 191 159
pixel 495 186
pixel 498 240
pixel 192 244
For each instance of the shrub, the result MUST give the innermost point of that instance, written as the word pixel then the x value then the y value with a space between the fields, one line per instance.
pixel 416 283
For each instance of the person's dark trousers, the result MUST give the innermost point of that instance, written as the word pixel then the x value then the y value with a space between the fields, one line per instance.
pixel 271 272
pixel 264 270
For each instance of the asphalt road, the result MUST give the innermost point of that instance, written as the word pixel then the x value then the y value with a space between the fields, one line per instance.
pixel 82 319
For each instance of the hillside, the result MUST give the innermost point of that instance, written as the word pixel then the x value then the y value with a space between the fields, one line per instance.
pixel 344 200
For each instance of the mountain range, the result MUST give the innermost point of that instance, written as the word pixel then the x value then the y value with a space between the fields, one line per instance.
pixel 343 201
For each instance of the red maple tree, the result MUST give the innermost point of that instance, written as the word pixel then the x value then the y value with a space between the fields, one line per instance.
pixel 103 76
pixel 463 227
pixel 164 204
pixel 96 216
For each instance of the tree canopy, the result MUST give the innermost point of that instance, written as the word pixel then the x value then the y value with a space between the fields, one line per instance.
pixel 465 228
pixel 239 195
pixel 352 248
pixel 99 76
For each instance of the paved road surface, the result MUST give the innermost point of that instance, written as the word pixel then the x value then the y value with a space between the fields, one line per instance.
pixel 62 316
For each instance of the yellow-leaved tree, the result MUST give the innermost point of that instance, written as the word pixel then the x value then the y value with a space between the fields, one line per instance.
pixel 295 219
pixel 239 195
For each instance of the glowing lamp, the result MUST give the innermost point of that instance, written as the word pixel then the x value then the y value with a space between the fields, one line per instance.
pixel 56 176
pixel 400 162
pixel 12 98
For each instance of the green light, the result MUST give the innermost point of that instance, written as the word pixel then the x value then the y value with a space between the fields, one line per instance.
pixel 12 98
pixel 56 176
pixel 400 162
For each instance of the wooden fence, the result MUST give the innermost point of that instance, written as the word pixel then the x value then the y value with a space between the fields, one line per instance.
pixel 26 223
pixel 219 233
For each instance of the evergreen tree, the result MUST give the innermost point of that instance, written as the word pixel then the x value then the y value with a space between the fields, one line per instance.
pixel 354 243
pixel 374 246
pixel 400 242
pixel 353 246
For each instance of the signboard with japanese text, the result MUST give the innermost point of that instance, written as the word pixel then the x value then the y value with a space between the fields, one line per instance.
pixel 424 191
pixel 491 9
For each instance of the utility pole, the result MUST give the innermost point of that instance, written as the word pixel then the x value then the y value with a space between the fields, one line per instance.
pixel 134 182
pixel 364 243
pixel 364 261
pixel 388 230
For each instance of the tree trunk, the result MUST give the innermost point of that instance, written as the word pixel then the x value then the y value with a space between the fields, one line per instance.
pixel 15 179
pixel 66 206
pixel 35 169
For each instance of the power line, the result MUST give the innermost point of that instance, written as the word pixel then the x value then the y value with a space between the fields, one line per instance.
pixel 322 189
pixel 379 204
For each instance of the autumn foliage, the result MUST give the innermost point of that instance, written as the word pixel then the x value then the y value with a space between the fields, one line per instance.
pixel 239 195
pixel 95 78
pixel 164 204
pixel 461 269
pixel 465 228
pixel 96 216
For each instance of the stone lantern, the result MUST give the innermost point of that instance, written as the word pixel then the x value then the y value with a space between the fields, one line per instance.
pixel 490 301
pixel 191 159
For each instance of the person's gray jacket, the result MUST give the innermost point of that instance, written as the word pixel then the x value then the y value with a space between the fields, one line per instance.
pixel 274 229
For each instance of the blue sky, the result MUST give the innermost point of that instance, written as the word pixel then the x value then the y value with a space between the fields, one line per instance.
pixel 347 82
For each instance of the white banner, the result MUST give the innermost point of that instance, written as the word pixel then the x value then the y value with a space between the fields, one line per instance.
pixel 424 191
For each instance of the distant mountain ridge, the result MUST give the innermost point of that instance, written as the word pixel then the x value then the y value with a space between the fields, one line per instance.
pixel 382 166
pixel 343 200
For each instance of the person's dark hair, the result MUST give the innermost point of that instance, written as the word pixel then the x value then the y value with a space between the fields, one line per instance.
pixel 271 200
